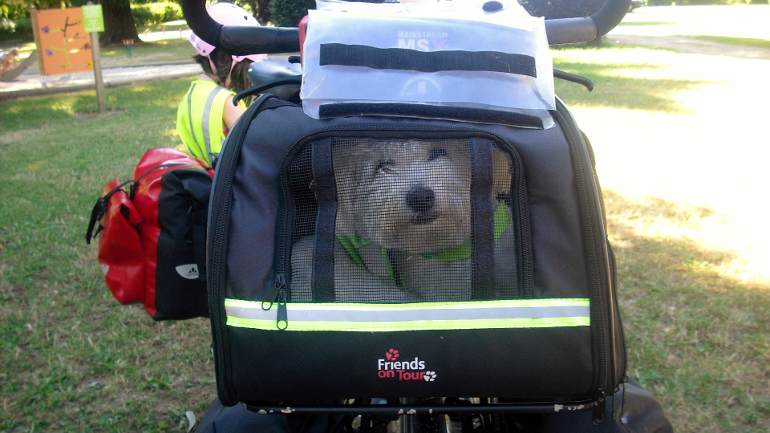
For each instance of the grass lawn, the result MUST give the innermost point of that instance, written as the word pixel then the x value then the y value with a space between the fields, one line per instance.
pixel 156 51
pixel 73 359
pixel 680 151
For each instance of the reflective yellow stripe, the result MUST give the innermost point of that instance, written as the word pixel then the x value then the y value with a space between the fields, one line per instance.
pixel 422 325
pixel 535 313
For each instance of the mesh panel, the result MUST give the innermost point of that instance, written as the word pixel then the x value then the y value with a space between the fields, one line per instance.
pixel 413 221
pixel 301 187
pixel 305 205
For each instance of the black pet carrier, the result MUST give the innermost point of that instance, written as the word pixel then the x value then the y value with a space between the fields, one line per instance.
pixel 387 251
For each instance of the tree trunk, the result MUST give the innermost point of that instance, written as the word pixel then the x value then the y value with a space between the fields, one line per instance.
pixel 118 23
pixel 263 10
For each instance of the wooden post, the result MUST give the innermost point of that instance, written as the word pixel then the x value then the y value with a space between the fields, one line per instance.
pixel 96 53
pixel 36 36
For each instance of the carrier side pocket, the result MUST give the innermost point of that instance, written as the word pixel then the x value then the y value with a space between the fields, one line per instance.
pixel 219 222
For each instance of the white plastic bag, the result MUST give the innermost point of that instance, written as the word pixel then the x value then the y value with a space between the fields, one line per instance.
pixel 390 40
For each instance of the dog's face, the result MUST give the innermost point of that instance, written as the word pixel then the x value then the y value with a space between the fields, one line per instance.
pixel 409 195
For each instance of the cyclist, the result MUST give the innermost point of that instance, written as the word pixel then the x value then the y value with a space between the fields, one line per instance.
pixel 207 113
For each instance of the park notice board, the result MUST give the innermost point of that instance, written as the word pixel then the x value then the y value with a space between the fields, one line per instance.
pixel 93 18
pixel 63 44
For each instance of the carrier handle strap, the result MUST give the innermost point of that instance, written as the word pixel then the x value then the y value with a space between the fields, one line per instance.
pixel 572 78
pixel 322 282
pixel 433 61
pixel 482 220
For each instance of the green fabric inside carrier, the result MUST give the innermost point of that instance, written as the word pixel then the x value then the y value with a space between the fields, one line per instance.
pixel 463 251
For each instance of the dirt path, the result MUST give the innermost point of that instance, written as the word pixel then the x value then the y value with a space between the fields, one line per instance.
pixel 689 45
pixel 671 27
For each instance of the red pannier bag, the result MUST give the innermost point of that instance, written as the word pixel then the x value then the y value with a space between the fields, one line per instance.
pixel 121 255
pixel 169 195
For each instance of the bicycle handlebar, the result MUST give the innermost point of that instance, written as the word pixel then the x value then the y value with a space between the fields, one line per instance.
pixel 275 40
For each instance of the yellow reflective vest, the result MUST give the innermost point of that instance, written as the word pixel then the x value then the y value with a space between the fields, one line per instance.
pixel 199 118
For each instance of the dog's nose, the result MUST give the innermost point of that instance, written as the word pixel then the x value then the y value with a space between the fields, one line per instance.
pixel 420 199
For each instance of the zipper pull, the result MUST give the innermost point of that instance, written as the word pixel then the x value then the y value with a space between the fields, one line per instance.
pixel 282 321
pixel 601 407
pixel 280 282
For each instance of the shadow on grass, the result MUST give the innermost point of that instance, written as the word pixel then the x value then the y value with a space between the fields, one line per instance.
pixel 696 334
pixel 35 112
pixel 614 90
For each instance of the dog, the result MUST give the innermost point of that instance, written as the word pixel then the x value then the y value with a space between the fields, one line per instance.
pixel 403 224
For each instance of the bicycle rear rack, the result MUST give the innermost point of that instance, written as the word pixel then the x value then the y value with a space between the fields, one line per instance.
pixel 461 408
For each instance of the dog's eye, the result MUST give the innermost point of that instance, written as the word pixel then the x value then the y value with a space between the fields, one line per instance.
pixel 436 153
pixel 384 166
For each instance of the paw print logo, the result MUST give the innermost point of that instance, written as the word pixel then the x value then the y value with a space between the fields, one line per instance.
pixel 392 355
pixel 430 376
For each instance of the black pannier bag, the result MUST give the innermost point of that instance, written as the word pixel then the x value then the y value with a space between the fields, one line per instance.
pixel 182 212
pixel 382 257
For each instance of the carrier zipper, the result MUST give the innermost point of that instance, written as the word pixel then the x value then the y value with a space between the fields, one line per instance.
pixel 521 218
pixel 614 268
pixel 597 312
pixel 282 318
pixel 278 295
pixel 272 296
pixel 612 264
pixel 223 191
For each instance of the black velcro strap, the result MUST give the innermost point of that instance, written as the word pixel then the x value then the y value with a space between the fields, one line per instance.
pixel 100 208
pixel 465 114
pixel 482 220
pixel 430 61
pixel 322 282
